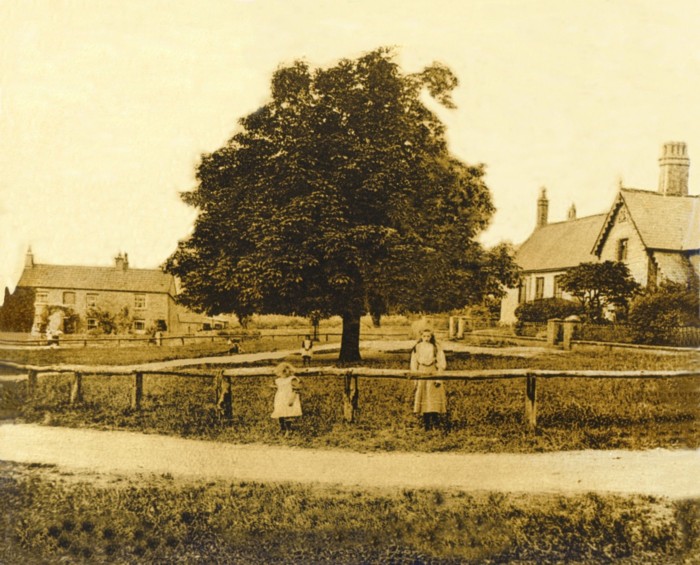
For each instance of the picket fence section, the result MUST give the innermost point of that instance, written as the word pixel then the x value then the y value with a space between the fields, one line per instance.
pixel 223 378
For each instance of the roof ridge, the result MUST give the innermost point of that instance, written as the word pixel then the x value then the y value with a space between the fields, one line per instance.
pixel 572 220
pixel 107 267
pixel 656 193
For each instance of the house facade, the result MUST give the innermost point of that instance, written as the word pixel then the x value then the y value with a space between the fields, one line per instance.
pixel 655 233
pixel 64 292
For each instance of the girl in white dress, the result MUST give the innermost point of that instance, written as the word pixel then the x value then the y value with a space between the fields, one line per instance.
pixel 287 403
pixel 430 399
pixel 307 347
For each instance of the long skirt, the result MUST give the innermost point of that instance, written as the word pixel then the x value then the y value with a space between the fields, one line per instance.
pixel 430 395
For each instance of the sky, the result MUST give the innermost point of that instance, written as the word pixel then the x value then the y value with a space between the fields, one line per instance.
pixel 107 105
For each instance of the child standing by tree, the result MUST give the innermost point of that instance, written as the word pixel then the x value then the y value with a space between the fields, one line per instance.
pixel 306 351
pixel 430 400
pixel 287 403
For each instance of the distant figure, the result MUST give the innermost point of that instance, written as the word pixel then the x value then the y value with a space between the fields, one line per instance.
pixel 234 346
pixel 430 396
pixel 52 337
pixel 287 403
pixel 306 351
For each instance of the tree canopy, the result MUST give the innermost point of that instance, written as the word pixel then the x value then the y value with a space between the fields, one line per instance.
pixel 599 285
pixel 338 197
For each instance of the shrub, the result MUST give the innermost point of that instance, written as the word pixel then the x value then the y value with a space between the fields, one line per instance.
pixel 656 314
pixel 542 310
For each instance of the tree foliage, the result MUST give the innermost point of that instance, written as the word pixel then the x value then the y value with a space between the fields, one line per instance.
pixel 17 310
pixel 600 285
pixel 339 196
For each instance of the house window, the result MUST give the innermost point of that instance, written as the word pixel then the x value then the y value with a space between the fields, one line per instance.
pixel 69 297
pixel 42 297
pixel 557 287
pixel 539 288
pixel 522 292
pixel 622 249
pixel 139 325
pixel 140 301
pixel 622 215
pixel 91 324
pixel 91 299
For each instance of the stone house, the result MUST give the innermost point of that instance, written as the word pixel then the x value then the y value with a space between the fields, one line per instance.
pixel 147 294
pixel 655 233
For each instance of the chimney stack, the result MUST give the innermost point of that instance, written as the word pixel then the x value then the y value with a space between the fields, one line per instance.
pixel 572 212
pixel 542 208
pixel 29 259
pixel 674 164
pixel 121 262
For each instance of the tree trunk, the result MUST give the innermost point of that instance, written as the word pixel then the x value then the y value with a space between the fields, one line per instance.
pixel 350 341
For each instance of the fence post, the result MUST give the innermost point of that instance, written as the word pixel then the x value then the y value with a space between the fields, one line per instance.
pixel 531 402
pixel 350 397
pixel 224 401
pixel 137 391
pixel 31 383
pixel 218 378
pixel 76 389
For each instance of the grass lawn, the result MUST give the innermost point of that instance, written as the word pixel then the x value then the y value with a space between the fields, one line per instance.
pixel 485 416
pixel 51 517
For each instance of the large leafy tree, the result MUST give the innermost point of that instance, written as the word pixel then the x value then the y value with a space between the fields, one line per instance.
pixel 337 197
pixel 599 285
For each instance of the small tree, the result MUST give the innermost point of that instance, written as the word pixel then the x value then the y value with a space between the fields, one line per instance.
pixel 600 285
pixel 17 311
pixel 655 314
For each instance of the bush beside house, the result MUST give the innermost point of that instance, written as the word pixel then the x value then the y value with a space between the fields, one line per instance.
pixel 656 315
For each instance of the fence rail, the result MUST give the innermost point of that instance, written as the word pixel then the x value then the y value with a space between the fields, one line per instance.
pixel 223 392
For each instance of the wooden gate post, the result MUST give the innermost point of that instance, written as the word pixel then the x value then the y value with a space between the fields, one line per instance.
pixel 531 401
pixel 350 398
pixel 32 381
pixel 76 389
pixel 137 391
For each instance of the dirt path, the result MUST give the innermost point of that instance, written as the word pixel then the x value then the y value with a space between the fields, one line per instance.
pixel 668 473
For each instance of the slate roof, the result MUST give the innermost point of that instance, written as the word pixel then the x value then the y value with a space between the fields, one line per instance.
pixel 97 278
pixel 560 245
pixel 663 222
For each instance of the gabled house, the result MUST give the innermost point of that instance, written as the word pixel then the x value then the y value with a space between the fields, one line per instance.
pixel 656 233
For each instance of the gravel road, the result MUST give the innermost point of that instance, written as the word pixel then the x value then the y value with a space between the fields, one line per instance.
pixel 660 472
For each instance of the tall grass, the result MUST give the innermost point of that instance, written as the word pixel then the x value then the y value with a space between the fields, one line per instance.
pixel 49 519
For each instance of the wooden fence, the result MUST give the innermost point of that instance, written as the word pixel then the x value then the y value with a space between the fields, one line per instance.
pixel 221 381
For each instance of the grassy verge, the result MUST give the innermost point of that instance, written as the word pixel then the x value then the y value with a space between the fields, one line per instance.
pixel 138 355
pixel 49 518
pixel 484 416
